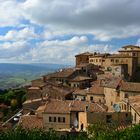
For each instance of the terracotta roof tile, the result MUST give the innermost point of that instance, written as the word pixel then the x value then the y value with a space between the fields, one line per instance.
pixel 85 53
pixel 130 86
pixel 61 74
pixel 31 121
pixel 96 89
pixel 59 106
pixel 80 78
pixel 80 92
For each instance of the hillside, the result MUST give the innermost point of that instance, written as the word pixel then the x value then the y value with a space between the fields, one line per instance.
pixel 15 75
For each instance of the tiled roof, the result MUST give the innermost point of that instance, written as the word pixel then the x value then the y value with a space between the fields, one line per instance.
pixel 31 121
pixel 96 89
pixel 130 86
pixel 80 78
pixel 57 92
pixel 134 101
pixel 112 83
pixel 120 56
pixel 64 73
pixel 38 83
pixel 59 106
pixel 80 92
pixel 130 46
pixel 85 53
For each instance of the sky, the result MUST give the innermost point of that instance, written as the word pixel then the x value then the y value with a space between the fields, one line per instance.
pixel 54 31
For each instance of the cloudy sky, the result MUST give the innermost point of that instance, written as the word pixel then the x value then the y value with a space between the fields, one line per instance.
pixel 53 31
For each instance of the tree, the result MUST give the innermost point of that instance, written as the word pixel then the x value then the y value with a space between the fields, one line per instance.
pixel 14 104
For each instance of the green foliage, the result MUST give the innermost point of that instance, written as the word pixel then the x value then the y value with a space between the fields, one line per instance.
pixel 14 104
pixel 110 132
pixel 95 132
pixel 17 94
pixel 22 134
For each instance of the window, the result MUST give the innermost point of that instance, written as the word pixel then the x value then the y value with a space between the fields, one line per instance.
pixel 124 107
pixel 118 94
pixel 135 117
pixel 117 60
pixel 134 54
pixel 61 119
pixel 54 119
pixel 126 96
pixel 84 98
pixel 111 103
pixel 112 60
pixel 103 60
pixel 108 118
pixel 91 98
pixel 50 119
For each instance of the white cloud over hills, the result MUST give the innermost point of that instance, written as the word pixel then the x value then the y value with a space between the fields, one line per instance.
pixel 56 30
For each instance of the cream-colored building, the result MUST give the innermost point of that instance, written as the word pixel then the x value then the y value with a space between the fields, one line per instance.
pixel 126 95
pixel 133 105
pixel 93 94
pixel 63 115
pixel 128 57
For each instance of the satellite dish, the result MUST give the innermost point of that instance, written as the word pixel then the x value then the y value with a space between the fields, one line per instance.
pixel 117 107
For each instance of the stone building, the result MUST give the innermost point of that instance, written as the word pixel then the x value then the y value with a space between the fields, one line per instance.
pixel 63 115
pixel 132 104
pixel 93 94
pixel 128 58
pixel 83 58
pixel 126 95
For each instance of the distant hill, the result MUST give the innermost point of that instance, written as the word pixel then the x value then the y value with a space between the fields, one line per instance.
pixel 15 75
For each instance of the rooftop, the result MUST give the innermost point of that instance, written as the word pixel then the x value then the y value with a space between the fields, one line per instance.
pixel 82 92
pixel 130 86
pixel 80 78
pixel 112 82
pixel 59 106
pixel 85 53
pixel 63 73
pixel 96 89
pixel 31 121
pixel 130 46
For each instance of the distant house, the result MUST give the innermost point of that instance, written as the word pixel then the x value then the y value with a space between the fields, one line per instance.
pixel 93 94
pixel 132 104
pixel 81 82
pixel 63 115
pixel 118 91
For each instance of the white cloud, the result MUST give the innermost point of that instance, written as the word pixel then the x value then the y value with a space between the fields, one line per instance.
pixel 58 51
pixel 23 34
pixel 8 49
pixel 105 19
pixel 10 13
